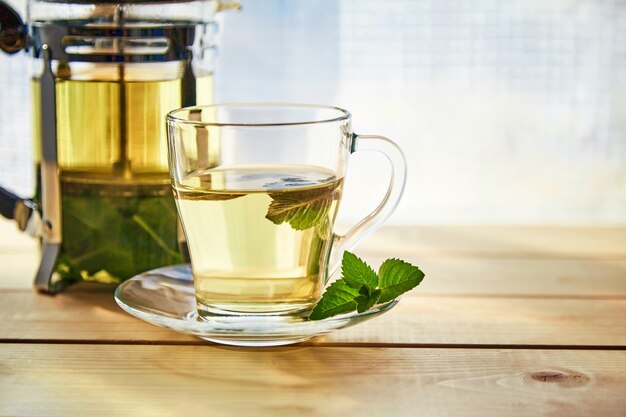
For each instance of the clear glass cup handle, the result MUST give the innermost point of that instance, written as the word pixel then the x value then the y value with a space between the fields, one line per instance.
pixel 397 181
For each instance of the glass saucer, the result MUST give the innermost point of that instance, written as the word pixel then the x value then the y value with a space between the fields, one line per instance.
pixel 165 297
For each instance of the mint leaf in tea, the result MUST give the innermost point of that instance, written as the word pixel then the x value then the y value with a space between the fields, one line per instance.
pixel 305 207
pixel 114 231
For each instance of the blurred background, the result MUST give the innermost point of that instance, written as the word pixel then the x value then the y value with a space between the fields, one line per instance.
pixel 509 112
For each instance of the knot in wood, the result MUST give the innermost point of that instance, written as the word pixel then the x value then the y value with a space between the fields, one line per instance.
pixel 564 378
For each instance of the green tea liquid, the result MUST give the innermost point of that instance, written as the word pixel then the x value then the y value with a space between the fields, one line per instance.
pixel 258 235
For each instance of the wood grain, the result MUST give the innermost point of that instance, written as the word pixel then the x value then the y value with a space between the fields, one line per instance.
pixel 543 242
pixel 518 277
pixel 488 289
pixel 495 321
pixel 66 380
pixel 519 242
pixel 93 315
pixel 449 276
pixel 504 301
pixel 458 260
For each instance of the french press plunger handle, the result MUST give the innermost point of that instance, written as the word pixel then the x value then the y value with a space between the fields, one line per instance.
pixel 13 31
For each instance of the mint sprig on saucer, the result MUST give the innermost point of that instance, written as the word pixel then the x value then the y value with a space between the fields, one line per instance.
pixel 360 288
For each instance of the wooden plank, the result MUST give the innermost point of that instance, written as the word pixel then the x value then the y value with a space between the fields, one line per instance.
pixel 73 315
pixel 93 315
pixel 518 277
pixel 457 259
pixel 520 242
pixel 96 380
pixel 452 241
pixel 495 321
pixel 445 275
pixel 450 276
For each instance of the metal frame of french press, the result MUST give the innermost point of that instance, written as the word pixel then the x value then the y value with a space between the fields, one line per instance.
pixel 51 225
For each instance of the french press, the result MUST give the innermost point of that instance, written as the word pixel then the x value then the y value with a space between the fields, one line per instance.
pixel 105 75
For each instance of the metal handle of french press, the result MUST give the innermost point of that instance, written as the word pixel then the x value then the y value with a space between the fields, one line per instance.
pixel 14 38
pixel 13 35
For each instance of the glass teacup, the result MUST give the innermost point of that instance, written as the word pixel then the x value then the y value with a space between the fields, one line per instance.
pixel 258 188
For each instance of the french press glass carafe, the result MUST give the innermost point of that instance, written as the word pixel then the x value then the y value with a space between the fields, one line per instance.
pixel 106 73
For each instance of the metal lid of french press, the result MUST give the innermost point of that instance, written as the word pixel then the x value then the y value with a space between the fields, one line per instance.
pixel 82 40
pixel 120 1
pixel 74 41
pixel 221 4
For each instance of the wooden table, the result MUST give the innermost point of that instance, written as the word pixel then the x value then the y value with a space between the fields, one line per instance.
pixel 510 321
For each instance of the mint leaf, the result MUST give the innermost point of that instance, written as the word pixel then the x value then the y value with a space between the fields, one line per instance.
pixel 303 209
pixel 113 237
pixel 397 277
pixel 367 299
pixel 339 298
pixel 357 273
